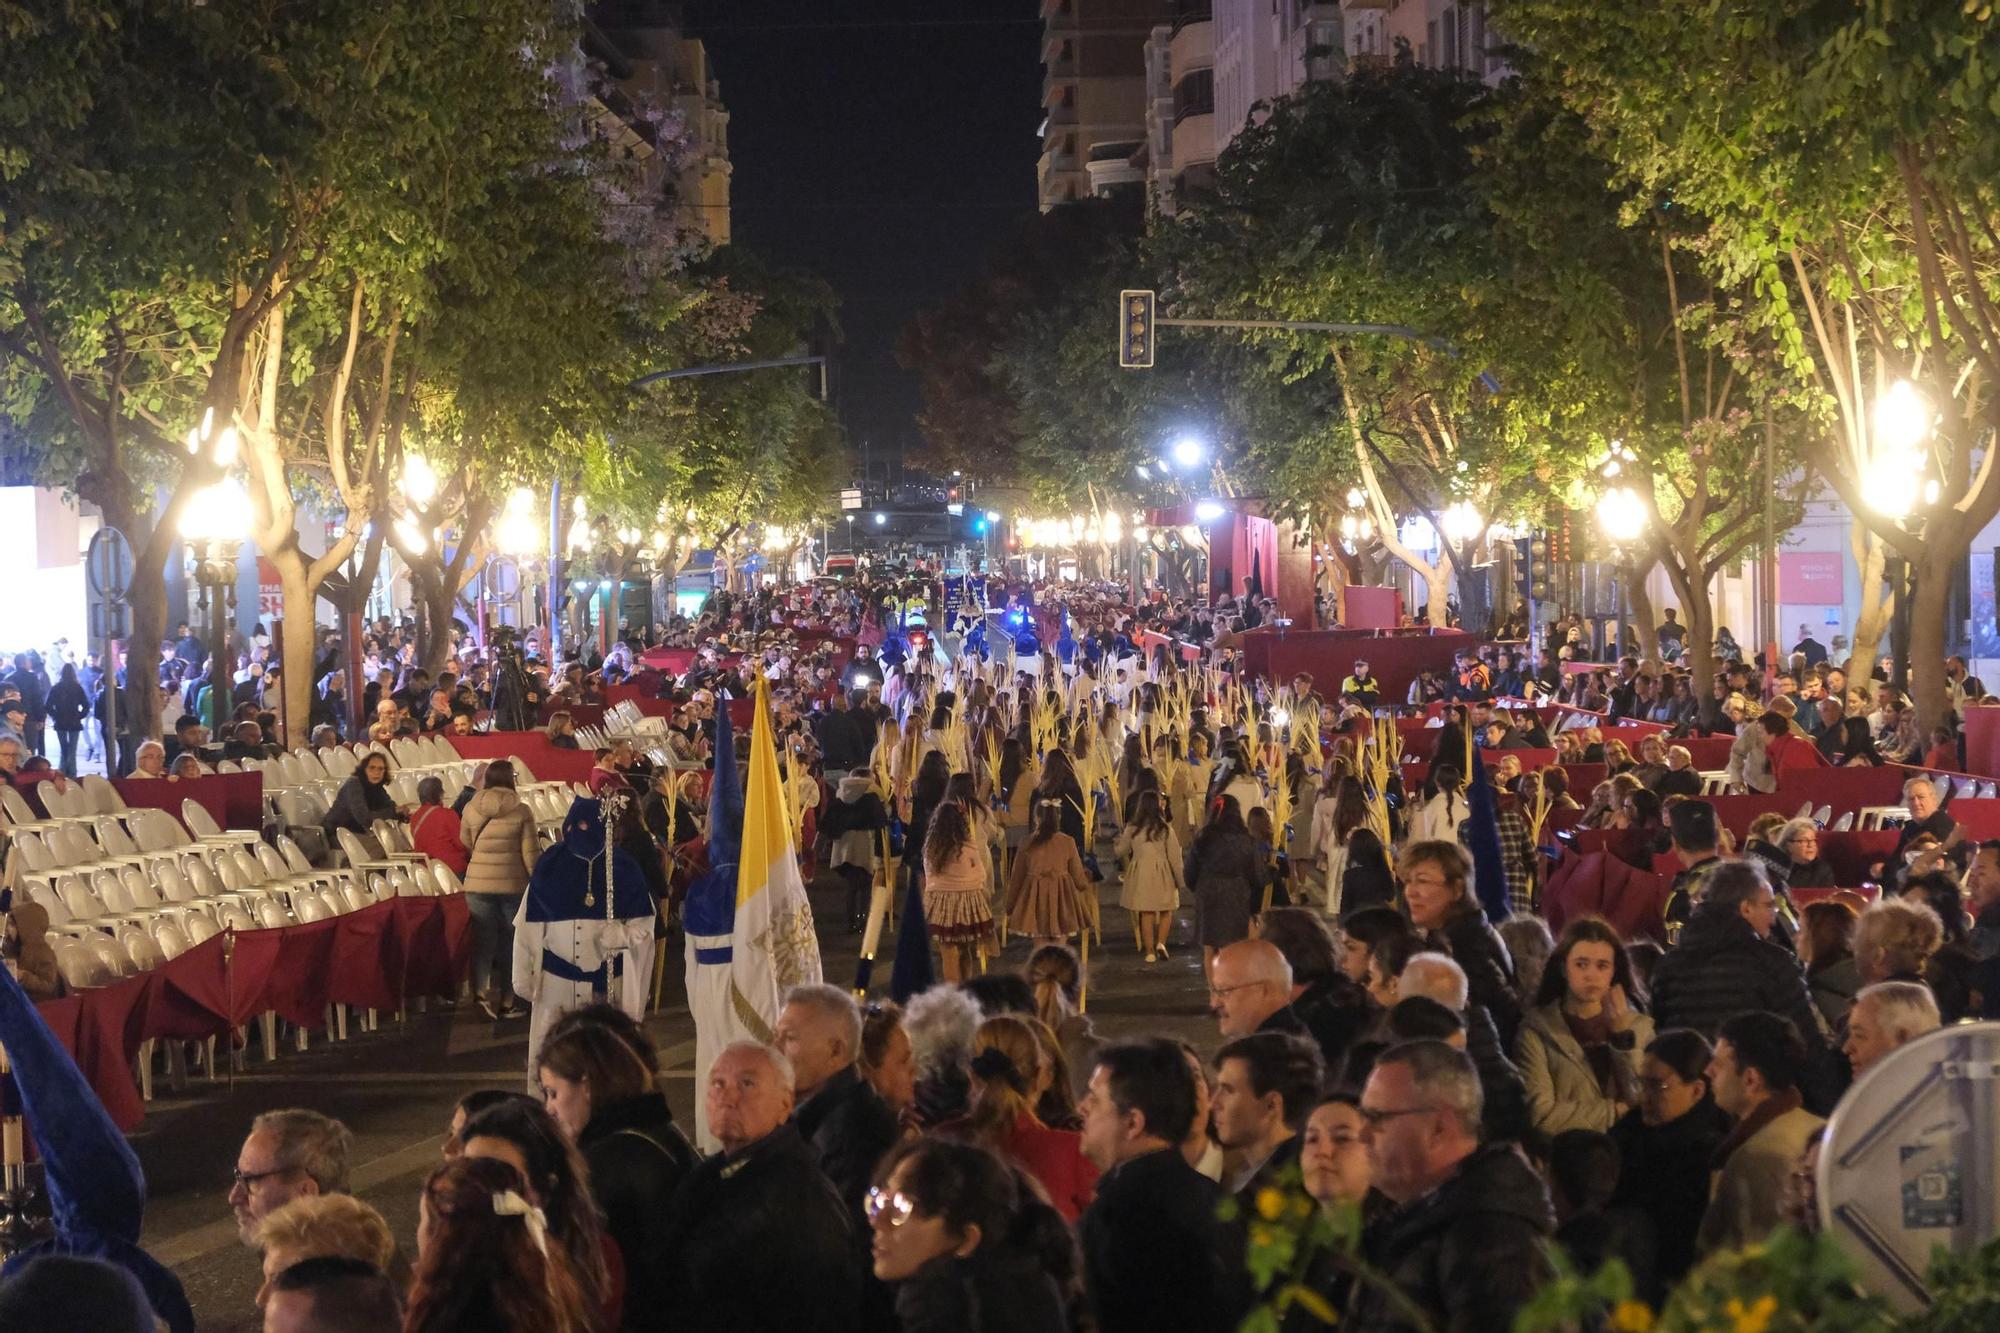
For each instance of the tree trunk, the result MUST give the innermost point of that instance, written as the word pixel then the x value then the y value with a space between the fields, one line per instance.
pixel 299 651
pixel 1929 632
pixel 438 598
pixel 1878 601
pixel 1475 611
pixel 1639 604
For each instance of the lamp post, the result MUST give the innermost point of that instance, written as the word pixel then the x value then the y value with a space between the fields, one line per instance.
pixel 214 524
pixel 1622 514
pixel 1895 483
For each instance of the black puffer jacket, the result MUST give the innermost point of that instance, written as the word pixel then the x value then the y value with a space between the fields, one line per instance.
pixel 1664 1172
pixel 995 1289
pixel 1489 969
pixel 760 1243
pixel 1336 1012
pixel 849 1129
pixel 1469 1252
pixel 638 1159
pixel 1721 968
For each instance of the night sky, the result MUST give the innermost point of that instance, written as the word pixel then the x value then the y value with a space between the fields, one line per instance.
pixel 885 146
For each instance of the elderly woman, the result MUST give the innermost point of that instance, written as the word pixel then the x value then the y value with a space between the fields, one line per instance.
pixel 1895 940
pixel 150 760
pixel 1799 840
pixel 1652 765
pixel 185 768
pixel 1437 886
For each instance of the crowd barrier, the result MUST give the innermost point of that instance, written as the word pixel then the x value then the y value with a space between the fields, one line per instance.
pixel 379 958
pixel 1328 655
pixel 236 800
pixel 549 763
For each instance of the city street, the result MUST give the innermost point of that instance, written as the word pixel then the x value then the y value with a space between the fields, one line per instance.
pixel 395 1090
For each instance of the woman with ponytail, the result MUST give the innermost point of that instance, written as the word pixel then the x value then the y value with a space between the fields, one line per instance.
pixel 486 1260
pixel 1009 1075
pixel 1057 979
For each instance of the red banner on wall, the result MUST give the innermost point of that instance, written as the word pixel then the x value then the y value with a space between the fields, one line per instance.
pixel 1812 578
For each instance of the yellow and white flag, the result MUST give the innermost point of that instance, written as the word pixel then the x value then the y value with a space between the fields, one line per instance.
pixel 774 946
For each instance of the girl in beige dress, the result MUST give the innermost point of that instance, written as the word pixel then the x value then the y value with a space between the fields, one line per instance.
pixel 1151 890
pixel 1046 894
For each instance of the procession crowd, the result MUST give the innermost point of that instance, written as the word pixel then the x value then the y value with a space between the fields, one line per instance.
pixel 1394 1056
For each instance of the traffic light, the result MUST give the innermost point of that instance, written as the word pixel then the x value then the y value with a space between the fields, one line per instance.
pixel 1524 576
pixel 1538 574
pixel 1135 330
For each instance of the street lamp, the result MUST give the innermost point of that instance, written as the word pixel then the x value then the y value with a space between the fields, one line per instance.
pixel 1622 515
pixel 214 524
pixel 881 519
pixel 1189 452
pixel 1207 511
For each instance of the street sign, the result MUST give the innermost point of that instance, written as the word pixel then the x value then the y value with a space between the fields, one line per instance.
pixel 1909 1162
pixel 850 499
pixel 107 564
pixel 110 620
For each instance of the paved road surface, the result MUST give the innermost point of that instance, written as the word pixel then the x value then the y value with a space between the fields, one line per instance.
pixel 395 1089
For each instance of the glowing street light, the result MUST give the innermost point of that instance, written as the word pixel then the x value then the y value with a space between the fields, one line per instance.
pixel 1207 511
pixel 1462 523
pixel 420 482
pixel 1903 417
pixel 1622 514
pixel 881 519
pixel 1189 452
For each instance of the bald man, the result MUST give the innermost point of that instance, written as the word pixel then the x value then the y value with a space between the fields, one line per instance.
pixel 1250 990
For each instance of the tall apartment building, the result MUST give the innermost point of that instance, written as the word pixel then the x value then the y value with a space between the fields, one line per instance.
pixel 1179 152
pixel 1443 34
pixel 652 63
pixel 1094 95
pixel 1267 49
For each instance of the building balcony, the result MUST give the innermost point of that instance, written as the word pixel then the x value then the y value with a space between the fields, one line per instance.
pixel 1057 78
pixel 1062 113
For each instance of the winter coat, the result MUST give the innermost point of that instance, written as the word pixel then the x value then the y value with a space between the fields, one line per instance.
pixel 499 830
pixel 1743 1208
pixel 1721 968
pixel 1833 990
pixel 760 1243
pixel 1489 969
pixel 1226 874
pixel 854 819
pixel 849 1128
pixel 68 706
pixel 34 960
pixel 1468 1253
pixel 1151 1256
pixel 1336 1012
pixel 638 1159
pixel 1152 879
pixel 1664 1171
pixel 995 1289
pixel 436 832
pixel 356 807
pixel 1563 1091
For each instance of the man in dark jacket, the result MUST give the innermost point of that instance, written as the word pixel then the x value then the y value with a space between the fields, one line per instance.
pixel 846 736
pixel 1465 1240
pixel 759 1241
pixel 1151 1241
pixel 1726 964
pixel 838 1113
pixel 1437 886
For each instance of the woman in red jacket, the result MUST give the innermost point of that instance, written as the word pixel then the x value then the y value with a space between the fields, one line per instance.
pixel 1010 1071
pixel 434 829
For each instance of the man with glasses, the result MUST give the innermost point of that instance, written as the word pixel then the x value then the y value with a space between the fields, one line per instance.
pixel 1250 990
pixel 289 1155
pixel 1727 962
pixel 1465 1242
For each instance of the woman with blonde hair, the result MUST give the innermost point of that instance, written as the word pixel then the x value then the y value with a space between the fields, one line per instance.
pixel 562 730
pixel 318 1225
pixel 1010 1072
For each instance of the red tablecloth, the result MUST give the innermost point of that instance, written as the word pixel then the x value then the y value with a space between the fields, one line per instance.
pixel 236 800
pixel 374 958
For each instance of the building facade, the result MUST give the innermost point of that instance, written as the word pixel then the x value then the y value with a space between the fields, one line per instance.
pixel 1443 34
pixel 1094 95
pixel 668 105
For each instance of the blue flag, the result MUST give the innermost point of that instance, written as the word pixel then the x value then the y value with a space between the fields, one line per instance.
pixel 912 973
pixel 1482 837
pixel 710 907
pixel 97 1194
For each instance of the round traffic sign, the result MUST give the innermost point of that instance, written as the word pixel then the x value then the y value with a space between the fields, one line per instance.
pixel 108 563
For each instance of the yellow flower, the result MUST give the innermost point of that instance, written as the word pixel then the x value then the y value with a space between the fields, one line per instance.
pixel 1756 1318
pixel 1270 1203
pixel 1632 1317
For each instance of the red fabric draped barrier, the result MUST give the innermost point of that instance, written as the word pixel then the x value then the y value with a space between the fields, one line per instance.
pixel 547 762
pixel 374 958
pixel 236 800
pixel 1328 655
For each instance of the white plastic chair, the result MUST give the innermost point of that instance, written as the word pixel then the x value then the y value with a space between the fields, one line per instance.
pixel 199 928
pixel 82 966
pixel 104 797
pixel 171 939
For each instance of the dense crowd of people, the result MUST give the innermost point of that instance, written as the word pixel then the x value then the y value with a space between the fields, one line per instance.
pixel 1468 1095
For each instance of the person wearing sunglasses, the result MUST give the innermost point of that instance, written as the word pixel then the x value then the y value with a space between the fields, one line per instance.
pixel 966 1243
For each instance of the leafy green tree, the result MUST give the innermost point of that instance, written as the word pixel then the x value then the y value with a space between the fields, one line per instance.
pixel 1840 157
